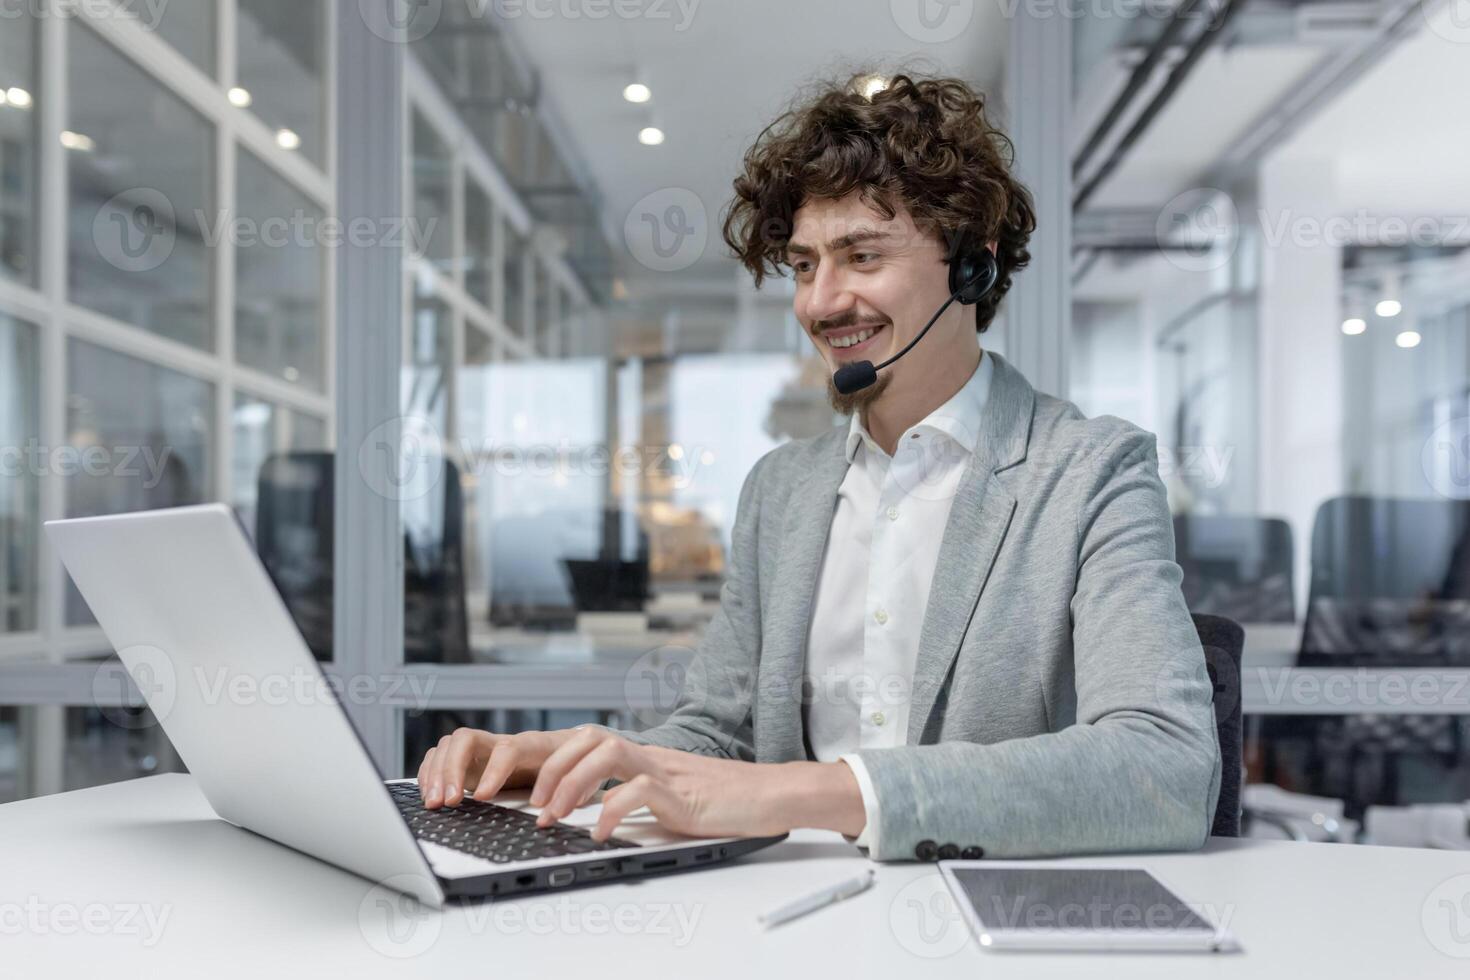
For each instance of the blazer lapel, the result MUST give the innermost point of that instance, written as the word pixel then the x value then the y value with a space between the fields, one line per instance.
pixel 978 521
pixel 788 616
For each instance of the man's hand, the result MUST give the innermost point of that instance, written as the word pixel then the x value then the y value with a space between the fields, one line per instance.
pixel 694 794
pixel 485 761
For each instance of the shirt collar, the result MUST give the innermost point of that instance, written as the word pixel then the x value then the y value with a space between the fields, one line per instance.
pixel 958 418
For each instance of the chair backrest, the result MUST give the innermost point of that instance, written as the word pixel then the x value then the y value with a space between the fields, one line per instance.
pixel 294 535
pixel 1223 641
pixel 1236 566
pixel 1390 583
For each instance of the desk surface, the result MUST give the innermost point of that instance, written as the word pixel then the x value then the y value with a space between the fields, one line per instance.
pixel 140 879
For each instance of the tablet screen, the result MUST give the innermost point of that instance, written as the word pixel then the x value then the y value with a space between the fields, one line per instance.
pixel 1075 900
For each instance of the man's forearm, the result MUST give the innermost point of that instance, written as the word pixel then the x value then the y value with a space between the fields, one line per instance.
pixel 823 795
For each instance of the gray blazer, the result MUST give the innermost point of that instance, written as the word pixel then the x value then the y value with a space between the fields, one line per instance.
pixel 1060 703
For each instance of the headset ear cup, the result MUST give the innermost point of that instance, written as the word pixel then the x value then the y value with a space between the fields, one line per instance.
pixel 972 277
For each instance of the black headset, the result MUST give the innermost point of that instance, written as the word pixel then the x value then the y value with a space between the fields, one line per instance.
pixel 971 276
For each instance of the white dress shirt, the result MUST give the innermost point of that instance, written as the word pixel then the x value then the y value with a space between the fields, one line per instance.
pixel 863 643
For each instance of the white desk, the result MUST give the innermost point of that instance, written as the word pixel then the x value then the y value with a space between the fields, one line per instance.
pixel 239 905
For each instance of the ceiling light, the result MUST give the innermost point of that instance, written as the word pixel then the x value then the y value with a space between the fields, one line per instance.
pixel 650 136
pixel 1407 339
pixel 637 92
pixel 17 97
pixel 239 97
pixel 287 139
pixel 77 141
pixel 1354 325
pixel 1389 302
pixel 872 85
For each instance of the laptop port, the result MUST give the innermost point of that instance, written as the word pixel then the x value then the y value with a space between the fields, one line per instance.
pixel 561 876
pixel 703 855
pixel 594 870
pixel 529 879
pixel 655 865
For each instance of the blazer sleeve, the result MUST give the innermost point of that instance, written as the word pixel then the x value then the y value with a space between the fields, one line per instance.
pixel 1140 769
pixel 714 711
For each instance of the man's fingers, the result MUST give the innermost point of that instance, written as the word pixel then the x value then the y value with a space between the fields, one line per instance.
pixel 642 790
pixel 433 791
pixel 613 757
pixel 460 759
pixel 424 767
pixel 502 762
pixel 560 762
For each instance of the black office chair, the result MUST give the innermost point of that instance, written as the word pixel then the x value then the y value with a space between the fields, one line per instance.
pixel 294 536
pixel 1390 587
pixel 1235 566
pixel 1224 640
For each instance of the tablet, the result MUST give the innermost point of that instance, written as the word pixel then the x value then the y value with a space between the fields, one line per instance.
pixel 1021 905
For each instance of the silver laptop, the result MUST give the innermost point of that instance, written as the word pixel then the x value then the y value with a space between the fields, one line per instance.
pixel 204 634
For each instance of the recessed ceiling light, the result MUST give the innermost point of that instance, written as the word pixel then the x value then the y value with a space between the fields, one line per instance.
pixel 287 139
pixel 1409 338
pixel 1354 325
pixel 18 97
pixel 650 136
pixel 239 97
pixel 77 141
pixel 637 92
pixel 1388 307
pixel 872 85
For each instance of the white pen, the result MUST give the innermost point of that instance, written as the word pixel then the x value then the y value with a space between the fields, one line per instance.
pixel 827 896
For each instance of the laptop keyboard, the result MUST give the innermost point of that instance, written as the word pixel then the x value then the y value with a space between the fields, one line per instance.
pixel 493 832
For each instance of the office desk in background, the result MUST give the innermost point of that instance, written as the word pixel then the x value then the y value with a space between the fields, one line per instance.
pixel 239 905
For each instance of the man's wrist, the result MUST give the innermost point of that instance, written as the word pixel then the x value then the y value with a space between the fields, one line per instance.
pixel 821 795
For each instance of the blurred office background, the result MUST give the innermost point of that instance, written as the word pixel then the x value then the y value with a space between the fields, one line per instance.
pixel 1255 222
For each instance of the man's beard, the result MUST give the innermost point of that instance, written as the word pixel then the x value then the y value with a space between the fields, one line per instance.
pixel 860 399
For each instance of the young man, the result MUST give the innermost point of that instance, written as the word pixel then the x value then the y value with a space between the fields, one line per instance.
pixel 953 627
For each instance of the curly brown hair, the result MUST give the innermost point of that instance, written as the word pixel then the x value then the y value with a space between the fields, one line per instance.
pixel 920 142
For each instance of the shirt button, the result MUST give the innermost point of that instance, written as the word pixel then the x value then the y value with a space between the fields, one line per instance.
pixel 881 617
pixel 893 513
pixel 878 718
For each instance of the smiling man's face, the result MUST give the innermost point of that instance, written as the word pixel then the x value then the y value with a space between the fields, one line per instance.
pixel 865 287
